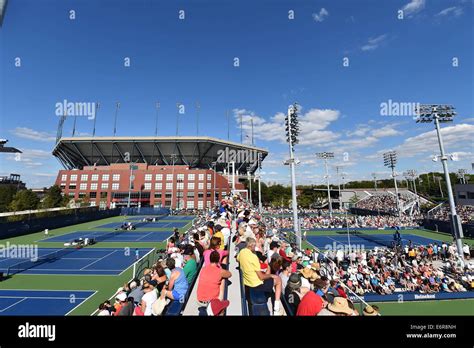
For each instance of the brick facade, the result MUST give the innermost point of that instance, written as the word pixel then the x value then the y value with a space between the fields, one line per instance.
pixel 108 186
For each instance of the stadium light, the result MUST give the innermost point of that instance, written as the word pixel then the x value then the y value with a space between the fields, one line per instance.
pixel 327 156
pixel 427 113
pixel 390 161
pixel 412 175
pixel 462 175
pixel 374 175
pixel 292 132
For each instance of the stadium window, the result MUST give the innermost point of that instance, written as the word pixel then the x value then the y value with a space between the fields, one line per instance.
pixel 208 194
pixel 190 185
pixel 201 186
pixel 116 177
pixel 94 177
pixel 147 186
pixel 190 194
pixel 105 177
pixel 63 186
pixel 169 185
pixel 179 194
pixel 159 177
pixel 71 194
pixel 84 177
pixel 115 186
pixel 72 187
pixel 83 186
pixel 74 177
pixel 200 195
pixel 148 177
pixel 208 185
pixel 180 177
pixel 92 194
pixel 158 186
pixel 82 194
pixel 104 186
pixel 94 186
pixel 102 204
pixel 92 203
pixel 191 177
pixel 169 177
pixel 157 194
pixel 168 195
pixel 201 177
pixel 208 204
pixel 64 177
pixel 200 204
pixel 103 195
pixel 180 185
pixel 190 204
pixel 209 177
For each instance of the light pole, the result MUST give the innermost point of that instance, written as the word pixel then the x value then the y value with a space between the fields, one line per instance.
pixel 374 175
pixel 339 185
pixel 462 175
pixel 444 113
pixel 292 132
pixel 259 182
pixel 214 166
pixel 326 156
pixel 173 159
pixel 249 178
pixel 412 175
pixel 131 178
pixel 390 161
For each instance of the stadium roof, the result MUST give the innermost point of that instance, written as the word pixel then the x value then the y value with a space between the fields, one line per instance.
pixel 196 152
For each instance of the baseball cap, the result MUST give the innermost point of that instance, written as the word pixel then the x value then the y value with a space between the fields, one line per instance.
pixel 216 306
pixel 122 297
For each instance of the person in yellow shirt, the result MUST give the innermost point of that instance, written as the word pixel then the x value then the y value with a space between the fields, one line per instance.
pixel 253 276
pixel 218 233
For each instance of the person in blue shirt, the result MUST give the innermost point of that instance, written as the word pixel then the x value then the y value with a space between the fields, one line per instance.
pixel 178 284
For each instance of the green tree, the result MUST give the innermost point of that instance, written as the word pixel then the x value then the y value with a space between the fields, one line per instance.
pixel 7 192
pixel 53 198
pixel 24 200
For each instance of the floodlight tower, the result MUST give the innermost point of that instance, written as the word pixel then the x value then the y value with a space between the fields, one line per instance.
pixel 462 175
pixel 327 156
pixel 390 161
pixel 374 175
pixel 292 132
pixel 412 175
pixel 427 113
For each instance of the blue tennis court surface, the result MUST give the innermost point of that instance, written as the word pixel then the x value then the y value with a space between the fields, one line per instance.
pixel 86 261
pixel 119 236
pixel 41 302
pixel 164 218
pixel 368 241
pixel 160 224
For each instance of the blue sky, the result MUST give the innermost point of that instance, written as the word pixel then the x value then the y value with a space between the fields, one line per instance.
pixel 281 60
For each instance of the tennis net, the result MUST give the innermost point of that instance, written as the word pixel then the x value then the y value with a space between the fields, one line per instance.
pixel 385 240
pixel 30 263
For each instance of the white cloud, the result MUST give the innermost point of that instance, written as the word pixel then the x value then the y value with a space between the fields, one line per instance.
pixel 313 126
pixel 374 43
pixel 413 7
pixel 28 133
pixel 323 13
pixel 455 11
pixel 30 157
pixel 386 131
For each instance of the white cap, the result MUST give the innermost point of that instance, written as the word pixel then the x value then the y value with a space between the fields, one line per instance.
pixel 121 297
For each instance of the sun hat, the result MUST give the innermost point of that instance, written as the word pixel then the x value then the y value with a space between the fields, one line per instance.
pixel 340 305
pixel 369 311
pixel 216 306
pixel 315 266
pixel 306 272
pixel 294 281
pixel 122 297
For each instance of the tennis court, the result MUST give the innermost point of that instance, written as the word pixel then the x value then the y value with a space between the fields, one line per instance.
pixel 163 218
pixel 41 302
pixel 143 224
pixel 369 241
pixel 111 237
pixel 85 261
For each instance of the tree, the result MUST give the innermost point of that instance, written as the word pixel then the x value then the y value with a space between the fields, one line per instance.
pixel 7 192
pixel 53 198
pixel 24 200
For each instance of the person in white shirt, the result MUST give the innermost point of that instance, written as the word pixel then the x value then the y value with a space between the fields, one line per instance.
pixel 149 297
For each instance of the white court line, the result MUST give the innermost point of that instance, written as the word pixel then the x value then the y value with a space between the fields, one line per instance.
pixel 103 257
pixel 44 297
pixel 17 302
pixel 136 240
pixel 84 300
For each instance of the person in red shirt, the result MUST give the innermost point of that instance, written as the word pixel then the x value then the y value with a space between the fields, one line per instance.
pixel 311 304
pixel 210 279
